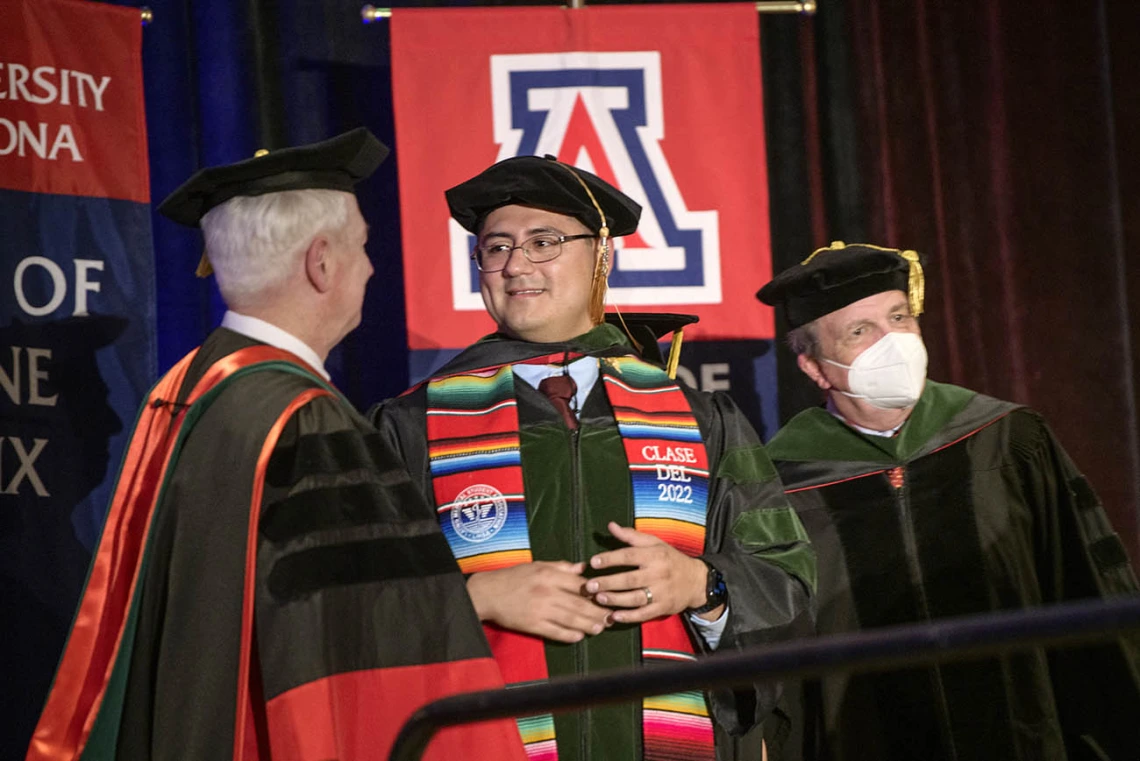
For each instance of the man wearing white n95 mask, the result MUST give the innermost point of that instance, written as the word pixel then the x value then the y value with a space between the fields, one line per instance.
pixel 890 373
pixel 923 501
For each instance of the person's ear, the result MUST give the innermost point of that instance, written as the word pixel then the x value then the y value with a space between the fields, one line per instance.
pixel 811 369
pixel 318 265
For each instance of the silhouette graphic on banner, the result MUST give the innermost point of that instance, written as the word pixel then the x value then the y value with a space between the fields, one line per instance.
pixel 54 451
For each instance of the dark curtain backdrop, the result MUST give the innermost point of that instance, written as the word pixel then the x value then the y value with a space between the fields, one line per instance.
pixel 989 135
pixel 227 77
pixel 993 135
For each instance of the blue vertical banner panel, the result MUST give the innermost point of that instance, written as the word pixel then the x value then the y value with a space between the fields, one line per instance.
pixel 745 370
pixel 76 316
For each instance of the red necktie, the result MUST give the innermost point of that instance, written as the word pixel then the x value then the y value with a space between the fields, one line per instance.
pixel 560 389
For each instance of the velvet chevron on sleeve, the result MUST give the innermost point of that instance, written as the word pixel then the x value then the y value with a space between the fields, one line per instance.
pixel 973 507
pixel 758 543
pixel 576 483
pixel 292 603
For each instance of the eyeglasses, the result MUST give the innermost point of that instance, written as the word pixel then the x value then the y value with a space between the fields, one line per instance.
pixel 539 249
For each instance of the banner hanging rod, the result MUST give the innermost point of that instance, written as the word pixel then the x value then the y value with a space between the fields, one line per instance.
pixel 370 13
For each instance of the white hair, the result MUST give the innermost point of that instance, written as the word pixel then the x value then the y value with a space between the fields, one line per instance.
pixel 255 242
pixel 805 339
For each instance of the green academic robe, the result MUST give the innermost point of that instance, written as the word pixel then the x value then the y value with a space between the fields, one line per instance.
pixel 577 481
pixel 972 507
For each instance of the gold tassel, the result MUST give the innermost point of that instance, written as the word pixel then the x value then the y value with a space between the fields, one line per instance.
pixel 602 267
pixel 836 245
pixel 628 333
pixel 205 269
pixel 675 352
pixel 916 283
pixel 601 279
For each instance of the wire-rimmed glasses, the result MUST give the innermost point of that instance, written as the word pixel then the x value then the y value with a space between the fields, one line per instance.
pixel 539 249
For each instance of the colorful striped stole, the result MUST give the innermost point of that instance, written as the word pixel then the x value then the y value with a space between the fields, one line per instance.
pixel 477 479
pixel 669 471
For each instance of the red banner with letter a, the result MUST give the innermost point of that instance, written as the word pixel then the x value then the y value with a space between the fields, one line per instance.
pixel 662 101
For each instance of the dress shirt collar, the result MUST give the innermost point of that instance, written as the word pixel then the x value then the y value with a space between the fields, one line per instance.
pixel 260 330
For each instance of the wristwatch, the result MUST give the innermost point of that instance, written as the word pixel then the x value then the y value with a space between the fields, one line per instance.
pixel 716 591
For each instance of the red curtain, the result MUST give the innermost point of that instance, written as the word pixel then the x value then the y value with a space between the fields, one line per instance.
pixel 994 136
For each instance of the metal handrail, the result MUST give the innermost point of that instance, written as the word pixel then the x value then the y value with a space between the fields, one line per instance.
pixel 960 638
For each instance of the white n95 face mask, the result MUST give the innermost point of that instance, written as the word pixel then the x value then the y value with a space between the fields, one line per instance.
pixel 890 373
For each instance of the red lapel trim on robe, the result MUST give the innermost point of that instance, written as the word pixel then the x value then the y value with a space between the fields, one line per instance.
pixel 377 700
pixel 94 643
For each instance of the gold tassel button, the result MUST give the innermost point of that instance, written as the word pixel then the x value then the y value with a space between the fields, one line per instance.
pixel 836 245
pixel 916 283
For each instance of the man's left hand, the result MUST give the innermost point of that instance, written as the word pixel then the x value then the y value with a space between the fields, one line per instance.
pixel 675 580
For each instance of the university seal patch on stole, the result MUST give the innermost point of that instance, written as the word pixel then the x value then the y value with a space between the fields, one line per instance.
pixel 478 513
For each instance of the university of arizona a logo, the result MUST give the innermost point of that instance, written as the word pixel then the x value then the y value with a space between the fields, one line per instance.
pixel 663 103
pixel 603 112
pixel 478 513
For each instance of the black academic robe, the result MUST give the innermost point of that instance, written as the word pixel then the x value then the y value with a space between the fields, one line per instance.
pixel 359 611
pixel 752 536
pixel 972 507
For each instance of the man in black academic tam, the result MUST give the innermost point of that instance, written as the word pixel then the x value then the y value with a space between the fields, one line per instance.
pixel 542 524
pixel 273 518
pixel 925 500
pixel 546 184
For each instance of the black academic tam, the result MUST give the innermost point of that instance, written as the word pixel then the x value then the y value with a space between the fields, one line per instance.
pixel 543 183
pixel 335 164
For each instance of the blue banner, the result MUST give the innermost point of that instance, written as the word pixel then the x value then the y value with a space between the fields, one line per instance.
pixel 76 316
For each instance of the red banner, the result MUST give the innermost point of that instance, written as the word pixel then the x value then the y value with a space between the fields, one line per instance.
pixel 662 101
pixel 62 107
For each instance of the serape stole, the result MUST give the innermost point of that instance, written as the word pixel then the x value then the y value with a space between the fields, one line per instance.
pixel 477 479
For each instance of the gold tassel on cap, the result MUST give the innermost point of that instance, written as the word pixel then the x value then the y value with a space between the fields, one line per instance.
pixel 205 269
pixel 602 267
pixel 628 333
pixel 601 280
pixel 675 352
pixel 916 283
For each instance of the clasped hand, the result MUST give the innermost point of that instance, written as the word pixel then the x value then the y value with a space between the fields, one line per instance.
pixel 675 581
pixel 552 599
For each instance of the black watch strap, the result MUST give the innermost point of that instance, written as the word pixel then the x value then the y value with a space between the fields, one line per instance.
pixel 716 591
